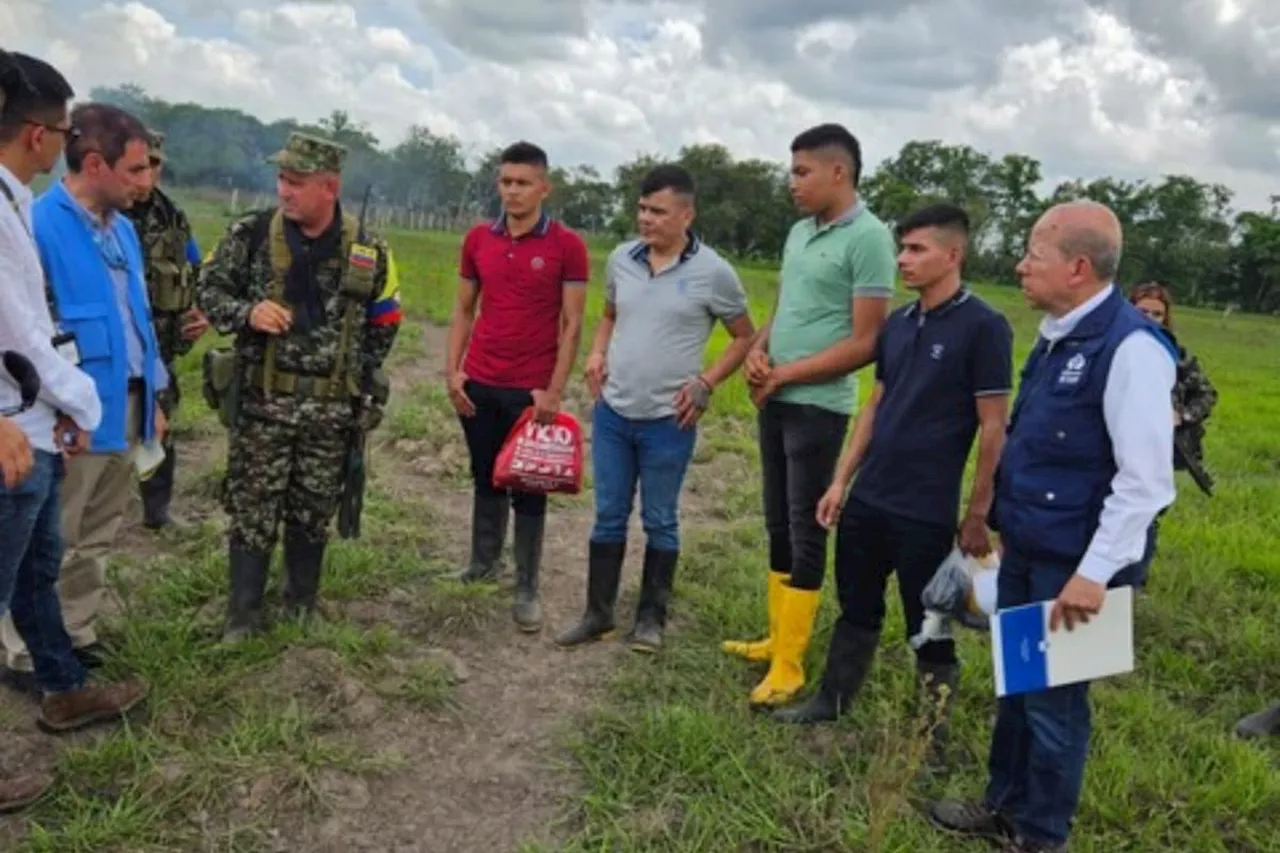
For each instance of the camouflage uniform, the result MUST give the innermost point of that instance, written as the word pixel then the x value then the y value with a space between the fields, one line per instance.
pixel 1193 399
pixel 286 446
pixel 165 233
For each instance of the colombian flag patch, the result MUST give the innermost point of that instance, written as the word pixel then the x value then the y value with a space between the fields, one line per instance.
pixel 361 256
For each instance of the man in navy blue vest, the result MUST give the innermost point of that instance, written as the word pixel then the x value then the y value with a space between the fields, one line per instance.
pixel 1086 467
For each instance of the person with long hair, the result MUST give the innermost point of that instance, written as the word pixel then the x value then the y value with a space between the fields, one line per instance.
pixel 1193 397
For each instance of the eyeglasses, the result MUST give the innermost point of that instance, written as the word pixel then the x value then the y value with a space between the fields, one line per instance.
pixel 71 132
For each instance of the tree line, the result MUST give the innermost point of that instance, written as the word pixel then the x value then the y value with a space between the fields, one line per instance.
pixel 1179 230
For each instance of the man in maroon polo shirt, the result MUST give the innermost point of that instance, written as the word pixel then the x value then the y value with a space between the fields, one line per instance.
pixel 528 275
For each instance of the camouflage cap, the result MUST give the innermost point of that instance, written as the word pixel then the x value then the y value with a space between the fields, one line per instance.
pixel 155 144
pixel 306 154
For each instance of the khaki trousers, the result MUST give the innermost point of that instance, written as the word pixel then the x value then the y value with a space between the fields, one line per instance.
pixel 95 496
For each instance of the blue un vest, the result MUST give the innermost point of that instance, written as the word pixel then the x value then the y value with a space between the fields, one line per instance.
pixel 1057 465
pixel 86 306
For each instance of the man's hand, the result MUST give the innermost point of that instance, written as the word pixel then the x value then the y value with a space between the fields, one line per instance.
pixel 545 406
pixel 975 540
pixel 829 506
pixel 16 457
pixel 1079 599
pixel 196 324
pixel 458 395
pixel 596 372
pixel 691 402
pixel 69 436
pixel 161 423
pixel 270 318
pixel 756 367
pixel 761 393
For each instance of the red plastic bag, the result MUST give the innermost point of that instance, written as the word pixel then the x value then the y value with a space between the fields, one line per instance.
pixel 541 458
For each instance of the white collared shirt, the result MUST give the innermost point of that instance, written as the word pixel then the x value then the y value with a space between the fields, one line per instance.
pixel 1137 406
pixel 26 327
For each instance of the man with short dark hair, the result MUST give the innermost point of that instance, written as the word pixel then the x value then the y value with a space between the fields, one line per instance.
pixel 172 261
pixel 1087 464
pixel 526 274
pixel 837 276
pixel 664 293
pixel 93 263
pixel 943 372
pixel 33 130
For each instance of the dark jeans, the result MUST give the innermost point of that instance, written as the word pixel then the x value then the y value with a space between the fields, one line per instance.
pixel 497 410
pixel 871 544
pixel 1142 568
pixel 799 448
pixel 30 558
pixel 1041 740
pixel 655 453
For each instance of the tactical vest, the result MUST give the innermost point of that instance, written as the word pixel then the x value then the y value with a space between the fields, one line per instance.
pixel 1057 465
pixel 357 265
pixel 168 273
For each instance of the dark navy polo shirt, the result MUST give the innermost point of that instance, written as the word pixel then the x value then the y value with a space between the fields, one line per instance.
pixel 933 364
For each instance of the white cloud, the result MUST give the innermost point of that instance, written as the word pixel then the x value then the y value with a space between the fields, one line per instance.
pixel 599 82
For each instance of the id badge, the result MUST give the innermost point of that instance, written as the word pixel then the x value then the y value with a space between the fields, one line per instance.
pixel 65 346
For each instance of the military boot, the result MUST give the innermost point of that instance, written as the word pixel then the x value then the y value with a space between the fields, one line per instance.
pixel 489 515
pixel 937 693
pixel 247 572
pixel 604 572
pixel 1265 723
pixel 157 495
pixel 527 545
pixel 655 594
pixel 849 659
pixel 303 563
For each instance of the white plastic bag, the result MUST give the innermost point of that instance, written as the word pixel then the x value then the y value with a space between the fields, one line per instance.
pixel 947 596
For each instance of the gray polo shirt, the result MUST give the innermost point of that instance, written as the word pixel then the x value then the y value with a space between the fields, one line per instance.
pixel 663 323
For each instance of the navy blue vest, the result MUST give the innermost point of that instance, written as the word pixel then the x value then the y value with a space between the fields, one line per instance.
pixel 1057 464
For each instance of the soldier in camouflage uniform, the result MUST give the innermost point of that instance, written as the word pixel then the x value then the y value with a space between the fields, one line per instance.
pixel 314 310
pixel 1193 400
pixel 172 262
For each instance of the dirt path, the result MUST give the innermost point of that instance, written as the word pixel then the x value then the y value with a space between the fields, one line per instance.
pixel 485 773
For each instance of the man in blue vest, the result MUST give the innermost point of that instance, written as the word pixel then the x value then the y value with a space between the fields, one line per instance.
pixel 1087 465
pixel 93 264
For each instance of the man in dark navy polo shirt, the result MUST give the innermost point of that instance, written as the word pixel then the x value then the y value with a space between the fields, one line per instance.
pixel 527 274
pixel 943 372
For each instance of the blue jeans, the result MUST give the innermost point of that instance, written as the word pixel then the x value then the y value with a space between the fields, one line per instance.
pixel 1041 740
pixel 30 557
pixel 654 452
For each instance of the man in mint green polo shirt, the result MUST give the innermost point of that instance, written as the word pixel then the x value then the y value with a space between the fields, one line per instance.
pixel 838 270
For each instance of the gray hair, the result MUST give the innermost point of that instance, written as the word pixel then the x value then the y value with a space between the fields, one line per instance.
pixel 1101 250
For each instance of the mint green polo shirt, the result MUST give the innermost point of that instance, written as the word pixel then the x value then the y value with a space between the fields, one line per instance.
pixel 823 268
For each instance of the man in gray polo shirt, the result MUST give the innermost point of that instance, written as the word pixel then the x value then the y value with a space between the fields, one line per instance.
pixel 664 293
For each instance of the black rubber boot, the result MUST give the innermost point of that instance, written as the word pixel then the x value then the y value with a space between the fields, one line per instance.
pixel 655 595
pixel 248 580
pixel 604 572
pixel 1264 723
pixel 157 493
pixel 527 545
pixel 303 564
pixel 489 515
pixel 849 660
pixel 937 694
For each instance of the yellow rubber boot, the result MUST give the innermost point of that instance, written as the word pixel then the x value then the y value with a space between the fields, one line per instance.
pixel 795 627
pixel 762 649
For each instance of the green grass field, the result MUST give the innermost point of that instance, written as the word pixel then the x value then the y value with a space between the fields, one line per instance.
pixel 669 758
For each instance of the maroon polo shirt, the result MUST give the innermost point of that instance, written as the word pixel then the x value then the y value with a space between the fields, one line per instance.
pixel 521 282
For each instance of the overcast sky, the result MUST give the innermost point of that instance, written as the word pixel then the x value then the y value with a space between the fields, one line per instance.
pixel 1132 88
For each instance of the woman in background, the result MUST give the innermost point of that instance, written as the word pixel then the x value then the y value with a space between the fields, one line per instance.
pixel 1193 400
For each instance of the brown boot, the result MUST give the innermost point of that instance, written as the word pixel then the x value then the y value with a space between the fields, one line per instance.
pixel 19 792
pixel 64 712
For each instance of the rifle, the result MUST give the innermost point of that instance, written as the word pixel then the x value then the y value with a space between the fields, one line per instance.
pixel 355 463
pixel 1183 453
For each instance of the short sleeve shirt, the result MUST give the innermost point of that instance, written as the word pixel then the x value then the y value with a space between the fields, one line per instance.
pixel 521 281
pixel 933 365
pixel 824 267
pixel 663 323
